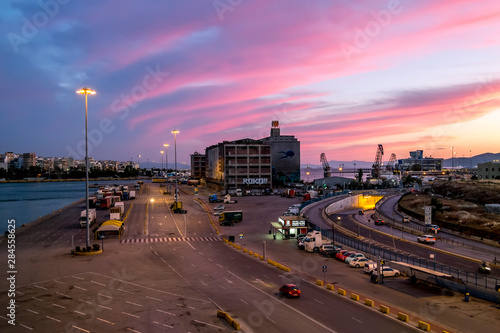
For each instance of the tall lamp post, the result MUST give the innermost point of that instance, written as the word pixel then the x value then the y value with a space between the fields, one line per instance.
pixel 161 151
pixel 86 91
pixel 166 145
pixel 175 132
pixel 452 161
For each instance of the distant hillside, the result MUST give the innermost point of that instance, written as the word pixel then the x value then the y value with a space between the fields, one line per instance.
pixel 470 161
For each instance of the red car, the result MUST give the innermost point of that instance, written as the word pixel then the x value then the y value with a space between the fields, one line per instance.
pixel 290 290
pixel 345 255
pixel 340 253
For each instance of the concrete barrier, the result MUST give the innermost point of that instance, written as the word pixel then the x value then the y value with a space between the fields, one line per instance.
pixel 245 250
pixel 250 253
pixel 342 292
pixel 355 297
pixel 369 302
pixel 319 282
pixel 424 326
pixel 384 309
pixel 403 316
pixel 329 286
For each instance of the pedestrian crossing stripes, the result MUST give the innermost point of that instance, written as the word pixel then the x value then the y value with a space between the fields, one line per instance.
pixel 169 239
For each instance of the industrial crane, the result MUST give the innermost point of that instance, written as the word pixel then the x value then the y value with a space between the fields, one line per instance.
pixel 378 162
pixel 326 166
pixel 392 162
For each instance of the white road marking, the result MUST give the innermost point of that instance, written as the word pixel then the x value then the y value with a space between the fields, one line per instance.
pixel 102 295
pixel 243 301
pixel 99 283
pixel 105 321
pixel 105 307
pixel 80 288
pixel 79 278
pixel 136 304
pixel 84 301
pixel 169 313
pixel 32 311
pixel 79 312
pixel 59 306
pixel 62 294
pixel 41 300
pixel 31 329
pixel 219 265
pixel 359 321
pixel 129 314
pixel 156 299
pixel 58 282
pixel 125 291
pixel 319 301
pixel 202 322
pixel 133 330
pixel 79 328
pixel 157 323
pixel 54 319
pixel 40 287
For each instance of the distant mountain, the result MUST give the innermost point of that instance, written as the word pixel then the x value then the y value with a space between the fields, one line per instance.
pixel 468 162
pixel 337 164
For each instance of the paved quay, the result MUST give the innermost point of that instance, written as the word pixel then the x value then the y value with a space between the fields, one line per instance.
pixel 445 311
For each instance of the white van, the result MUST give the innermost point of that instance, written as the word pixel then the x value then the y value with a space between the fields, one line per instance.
pixel 370 267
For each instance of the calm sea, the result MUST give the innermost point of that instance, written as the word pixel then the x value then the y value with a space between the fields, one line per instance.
pixel 26 202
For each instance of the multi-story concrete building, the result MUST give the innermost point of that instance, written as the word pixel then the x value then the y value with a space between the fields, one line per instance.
pixel 198 162
pixel 242 164
pixel 489 170
pixel 417 162
pixel 29 160
pixel 285 156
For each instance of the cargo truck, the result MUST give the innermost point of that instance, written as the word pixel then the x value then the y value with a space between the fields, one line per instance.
pixel 106 202
pixel 132 195
pixel 314 242
pixel 83 217
pixel 115 213
pixel 120 205
pixel 213 198
pixel 230 217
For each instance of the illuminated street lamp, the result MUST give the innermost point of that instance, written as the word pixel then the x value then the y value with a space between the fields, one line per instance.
pixel 175 132
pixel 86 91
pixel 166 145
pixel 452 161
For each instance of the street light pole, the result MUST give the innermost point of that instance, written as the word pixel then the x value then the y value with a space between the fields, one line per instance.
pixel 166 145
pixel 175 132
pixel 161 151
pixel 86 91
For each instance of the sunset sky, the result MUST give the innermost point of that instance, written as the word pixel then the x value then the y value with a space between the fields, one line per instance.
pixel 342 76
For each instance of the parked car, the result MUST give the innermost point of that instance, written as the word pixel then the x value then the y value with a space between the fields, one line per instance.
pixel 361 212
pixel 406 219
pixel 427 239
pixel 370 267
pixel 340 254
pixel 218 213
pixel 345 255
pixel 360 262
pixel 353 256
pixel 289 290
pixel 433 227
pixel 379 222
pixel 387 272
pixel 325 247
pixel 219 207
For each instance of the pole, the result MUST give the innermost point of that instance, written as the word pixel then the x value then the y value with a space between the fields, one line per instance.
pixel 87 174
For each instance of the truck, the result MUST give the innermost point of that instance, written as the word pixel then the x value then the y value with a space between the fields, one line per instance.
pixel 125 195
pixel 230 217
pixel 92 202
pixel 227 199
pixel 83 217
pixel 193 182
pixel 131 196
pixel 115 213
pixel 289 193
pixel 213 198
pixel 106 202
pixel 314 242
pixel 177 208
pixel 238 192
pixel 120 205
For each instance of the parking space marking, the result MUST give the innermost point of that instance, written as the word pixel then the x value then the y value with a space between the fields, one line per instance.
pixel 32 311
pixel 204 323
pixel 129 314
pixel 81 300
pixel 319 301
pixel 56 281
pixel 41 300
pixel 79 278
pixel 105 307
pixel 54 319
pixel 136 304
pixel 133 330
pixel 172 314
pixel 157 323
pixel 77 287
pixel 59 306
pixel 99 283
pixel 40 287
pixel 156 299
pixel 359 321
pixel 30 328
pixel 243 301
pixel 125 291
pixel 63 294
pixel 102 295
pixel 79 312
pixel 105 321
pixel 79 328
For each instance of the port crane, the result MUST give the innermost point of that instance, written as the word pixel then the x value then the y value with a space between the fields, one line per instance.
pixel 392 162
pixel 326 167
pixel 377 164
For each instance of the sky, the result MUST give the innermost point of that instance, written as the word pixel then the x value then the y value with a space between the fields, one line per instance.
pixel 342 76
